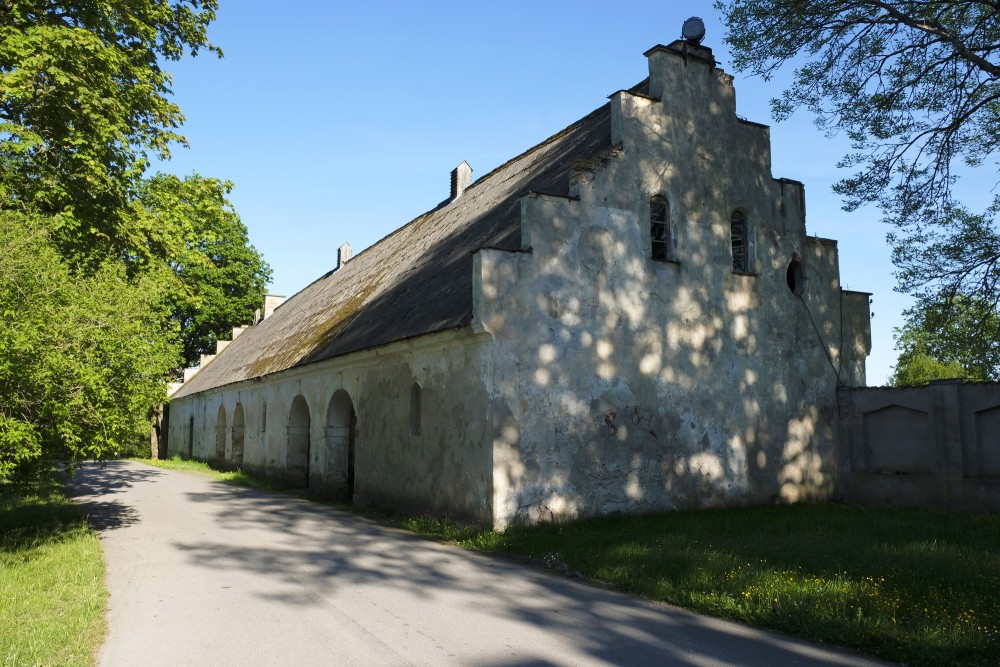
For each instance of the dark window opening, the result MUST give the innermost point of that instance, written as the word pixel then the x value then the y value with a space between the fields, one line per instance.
pixel 659 228
pixel 740 238
pixel 415 409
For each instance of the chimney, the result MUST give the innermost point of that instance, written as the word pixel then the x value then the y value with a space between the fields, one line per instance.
pixel 461 178
pixel 343 254
pixel 271 302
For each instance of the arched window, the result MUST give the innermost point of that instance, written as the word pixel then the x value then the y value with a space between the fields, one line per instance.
pixel 741 236
pixel 415 409
pixel 659 229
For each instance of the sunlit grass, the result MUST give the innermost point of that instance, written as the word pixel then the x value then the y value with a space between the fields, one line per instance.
pixel 52 593
pixel 915 586
pixel 237 477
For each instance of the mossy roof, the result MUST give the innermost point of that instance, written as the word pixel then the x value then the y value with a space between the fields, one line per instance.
pixel 415 281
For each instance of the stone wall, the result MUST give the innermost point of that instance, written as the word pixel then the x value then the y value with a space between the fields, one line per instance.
pixel 936 446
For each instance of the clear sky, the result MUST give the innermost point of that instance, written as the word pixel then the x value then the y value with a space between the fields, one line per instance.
pixel 340 122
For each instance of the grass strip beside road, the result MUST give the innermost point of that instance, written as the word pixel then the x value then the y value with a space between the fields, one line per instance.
pixel 914 586
pixel 52 592
pixel 237 477
pixel 920 587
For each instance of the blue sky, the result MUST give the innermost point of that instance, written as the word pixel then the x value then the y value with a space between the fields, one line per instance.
pixel 340 122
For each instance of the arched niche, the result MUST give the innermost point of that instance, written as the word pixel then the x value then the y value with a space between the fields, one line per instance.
pixel 238 436
pixel 220 434
pixel 341 432
pixel 297 462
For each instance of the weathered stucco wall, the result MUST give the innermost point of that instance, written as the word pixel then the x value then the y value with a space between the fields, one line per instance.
pixel 935 446
pixel 439 463
pixel 626 383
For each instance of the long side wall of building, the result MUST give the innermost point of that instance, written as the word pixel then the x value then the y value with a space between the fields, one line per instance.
pixel 936 446
pixel 403 426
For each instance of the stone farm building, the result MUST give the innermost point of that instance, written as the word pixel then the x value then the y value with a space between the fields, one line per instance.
pixel 628 316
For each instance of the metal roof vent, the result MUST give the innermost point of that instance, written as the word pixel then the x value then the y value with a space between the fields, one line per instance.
pixel 693 30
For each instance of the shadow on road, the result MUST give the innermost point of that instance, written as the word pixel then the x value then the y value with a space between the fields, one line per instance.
pixel 107 516
pixel 314 561
pixel 326 548
pixel 117 476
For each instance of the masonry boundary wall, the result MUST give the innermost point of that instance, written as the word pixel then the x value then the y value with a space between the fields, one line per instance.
pixel 935 446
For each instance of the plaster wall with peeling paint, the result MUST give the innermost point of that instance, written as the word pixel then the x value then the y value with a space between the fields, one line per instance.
pixel 624 383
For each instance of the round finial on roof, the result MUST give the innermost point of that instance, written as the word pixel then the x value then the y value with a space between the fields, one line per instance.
pixel 693 30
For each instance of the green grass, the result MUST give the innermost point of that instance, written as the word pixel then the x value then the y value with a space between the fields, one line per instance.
pixel 52 593
pixel 237 477
pixel 916 586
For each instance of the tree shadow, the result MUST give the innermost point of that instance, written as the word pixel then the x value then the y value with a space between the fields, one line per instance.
pixel 103 516
pixel 316 554
pixel 122 477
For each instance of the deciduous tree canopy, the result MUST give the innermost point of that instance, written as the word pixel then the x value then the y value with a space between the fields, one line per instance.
pixel 105 273
pixel 84 106
pixel 915 85
pixel 218 276
pixel 82 360
pixel 956 340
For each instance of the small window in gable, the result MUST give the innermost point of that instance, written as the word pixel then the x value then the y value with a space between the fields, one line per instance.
pixel 659 229
pixel 415 409
pixel 741 236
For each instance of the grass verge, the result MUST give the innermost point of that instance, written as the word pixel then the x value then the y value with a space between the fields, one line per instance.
pixel 920 587
pixel 237 477
pixel 52 593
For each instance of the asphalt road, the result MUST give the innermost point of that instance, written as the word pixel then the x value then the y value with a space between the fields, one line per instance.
pixel 203 573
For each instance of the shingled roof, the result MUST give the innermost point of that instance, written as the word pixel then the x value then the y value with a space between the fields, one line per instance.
pixel 415 281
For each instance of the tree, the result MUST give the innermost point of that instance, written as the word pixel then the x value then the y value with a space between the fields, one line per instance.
pixel 915 85
pixel 217 277
pixel 82 359
pixel 960 339
pixel 84 105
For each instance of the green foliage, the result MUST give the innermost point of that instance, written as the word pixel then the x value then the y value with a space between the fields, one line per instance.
pixel 83 106
pixel 916 367
pixel 104 268
pixel 83 359
pixel 915 85
pixel 52 593
pixel 217 278
pixel 959 338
